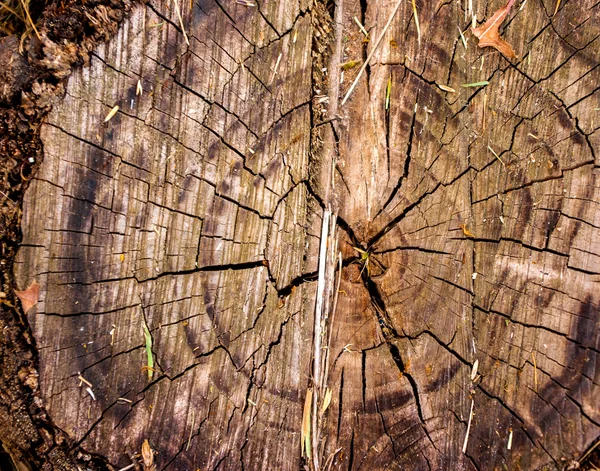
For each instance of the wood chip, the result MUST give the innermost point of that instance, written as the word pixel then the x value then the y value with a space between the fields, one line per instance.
pixel 446 88
pixel 474 370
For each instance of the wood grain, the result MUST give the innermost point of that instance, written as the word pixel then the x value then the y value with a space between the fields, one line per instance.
pixel 197 210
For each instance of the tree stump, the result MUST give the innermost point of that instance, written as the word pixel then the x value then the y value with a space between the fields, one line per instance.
pixel 177 239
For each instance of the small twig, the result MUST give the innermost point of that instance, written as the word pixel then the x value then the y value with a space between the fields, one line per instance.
pixel 127 467
pixel 370 56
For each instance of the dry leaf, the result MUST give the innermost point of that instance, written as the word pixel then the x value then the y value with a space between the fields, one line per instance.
pixel 29 297
pixel 488 32
pixel 148 456
pixel 305 431
pixel 326 401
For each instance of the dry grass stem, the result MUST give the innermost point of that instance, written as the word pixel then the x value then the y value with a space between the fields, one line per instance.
pixel 361 27
pixel 497 156
pixel 466 442
pixel 557 7
pixel 185 36
pixel 462 37
pixel 276 67
pixel 26 10
pixel 414 5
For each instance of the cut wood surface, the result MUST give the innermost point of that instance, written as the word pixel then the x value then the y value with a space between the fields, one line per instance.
pixel 466 330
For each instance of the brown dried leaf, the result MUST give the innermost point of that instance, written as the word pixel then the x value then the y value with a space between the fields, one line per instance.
pixel 148 456
pixel 488 32
pixel 29 297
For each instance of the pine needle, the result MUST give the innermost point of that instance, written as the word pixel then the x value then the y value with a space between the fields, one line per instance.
pixel 557 7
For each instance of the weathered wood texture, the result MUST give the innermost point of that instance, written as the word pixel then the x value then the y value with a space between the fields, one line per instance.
pixel 196 210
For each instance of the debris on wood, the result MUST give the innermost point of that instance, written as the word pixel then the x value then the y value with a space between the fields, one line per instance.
pixel 446 88
pixel 388 92
pixel 510 436
pixel 29 297
pixel 474 370
pixel 464 448
pixel 185 36
pixel 111 113
pixel 483 83
pixel 191 431
pixel 488 32
pixel 414 5
pixel 349 64
pixel 305 432
pixel 361 27
pixel 326 400
pixel 150 358
pixel 138 89
pixel 276 67
pixel 535 379
pixel 497 156
pixel 462 37
pixel 148 456
pixel 83 381
pixel 91 393
pixel 555 9
pixel 466 231
pixel 246 3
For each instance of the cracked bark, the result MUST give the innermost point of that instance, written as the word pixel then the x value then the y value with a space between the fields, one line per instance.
pixel 197 209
